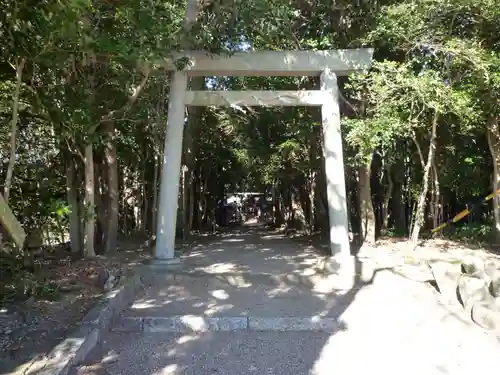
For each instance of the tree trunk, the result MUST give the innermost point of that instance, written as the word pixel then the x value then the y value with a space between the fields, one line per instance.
pixel 365 200
pixel 203 202
pixel 312 199
pixel 13 130
pixel 322 218
pixel 184 204
pixel 313 151
pixel 353 205
pixel 154 208
pixel 191 206
pixel 377 190
pixel 110 156
pixel 194 203
pixel 125 202
pixel 137 199
pixel 387 198
pixel 74 214
pixel 419 216
pixel 493 135
pixel 436 207
pixel 278 208
pixel 274 200
pixel 88 240
pixel 145 203
pixel 47 240
pixel 189 150
pixel 298 214
pixel 419 149
pixel 288 205
pixel 398 214
pixel 100 201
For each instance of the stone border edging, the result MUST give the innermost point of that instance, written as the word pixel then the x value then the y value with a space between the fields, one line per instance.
pixel 78 344
pixel 197 323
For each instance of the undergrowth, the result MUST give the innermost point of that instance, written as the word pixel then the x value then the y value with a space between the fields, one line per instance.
pixel 479 233
pixel 19 281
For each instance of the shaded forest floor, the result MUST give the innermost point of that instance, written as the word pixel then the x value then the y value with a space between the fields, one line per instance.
pixel 30 329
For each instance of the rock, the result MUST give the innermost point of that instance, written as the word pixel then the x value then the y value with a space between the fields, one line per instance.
pixel 487 314
pixel 420 272
pixel 473 266
pixel 102 277
pixel 471 290
pixel 110 283
pixel 494 284
pixel 492 267
pixel 446 276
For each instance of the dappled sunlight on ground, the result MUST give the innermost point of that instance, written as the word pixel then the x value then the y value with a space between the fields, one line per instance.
pixel 246 257
pixel 294 319
pixel 232 295
pixel 219 268
pixel 265 274
pixel 432 344
pixel 208 353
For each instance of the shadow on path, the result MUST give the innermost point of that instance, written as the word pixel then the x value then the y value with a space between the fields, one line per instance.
pixel 385 322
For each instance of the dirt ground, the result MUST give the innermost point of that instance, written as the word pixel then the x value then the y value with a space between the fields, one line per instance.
pixel 431 249
pixel 29 330
pixel 238 274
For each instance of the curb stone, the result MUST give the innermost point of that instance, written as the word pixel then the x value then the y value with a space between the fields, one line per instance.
pixel 79 343
pixel 198 323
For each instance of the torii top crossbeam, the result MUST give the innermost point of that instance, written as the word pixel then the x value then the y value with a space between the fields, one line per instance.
pixel 274 63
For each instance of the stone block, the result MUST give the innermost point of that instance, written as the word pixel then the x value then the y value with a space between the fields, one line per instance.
pixel 293 324
pixel 494 285
pixel 159 325
pixel 487 314
pixel 446 275
pixel 491 267
pixel 128 324
pixel 195 323
pixel 471 289
pixel 233 324
pixel 91 340
pixel 473 266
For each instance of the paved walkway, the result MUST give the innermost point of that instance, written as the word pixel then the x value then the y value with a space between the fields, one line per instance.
pixel 248 302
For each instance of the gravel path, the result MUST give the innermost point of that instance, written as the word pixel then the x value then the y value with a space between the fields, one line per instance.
pixel 392 325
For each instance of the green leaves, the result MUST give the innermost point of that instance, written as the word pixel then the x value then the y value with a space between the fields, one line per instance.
pixel 397 97
pixel 82 65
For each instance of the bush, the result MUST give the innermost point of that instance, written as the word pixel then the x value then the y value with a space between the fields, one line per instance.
pixel 471 232
pixel 18 282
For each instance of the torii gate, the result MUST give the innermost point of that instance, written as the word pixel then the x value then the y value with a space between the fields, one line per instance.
pixel 326 64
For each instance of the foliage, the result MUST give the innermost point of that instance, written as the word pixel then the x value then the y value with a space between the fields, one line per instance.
pixel 18 281
pixel 87 60
pixel 479 233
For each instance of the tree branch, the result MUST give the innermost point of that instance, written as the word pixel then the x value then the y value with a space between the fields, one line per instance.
pixel 132 98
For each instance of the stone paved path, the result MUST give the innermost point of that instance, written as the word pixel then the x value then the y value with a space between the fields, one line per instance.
pixel 246 303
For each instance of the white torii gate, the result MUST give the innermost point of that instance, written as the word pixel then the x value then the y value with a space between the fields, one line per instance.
pixel 326 64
